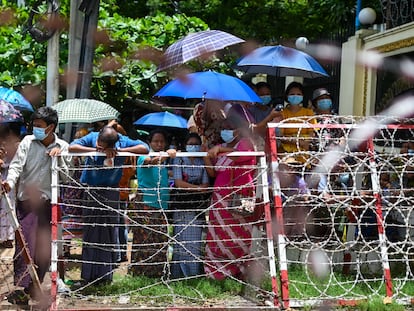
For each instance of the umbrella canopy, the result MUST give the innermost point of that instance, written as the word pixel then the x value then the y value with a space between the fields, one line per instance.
pixel 162 119
pixel 281 61
pixel 84 110
pixel 8 113
pixel 15 98
pixel 209 85
pixel 196 44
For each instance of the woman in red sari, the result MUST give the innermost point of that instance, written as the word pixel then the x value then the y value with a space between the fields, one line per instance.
pixel 229 234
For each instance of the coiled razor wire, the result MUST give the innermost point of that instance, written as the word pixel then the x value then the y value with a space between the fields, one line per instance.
pixel 330 243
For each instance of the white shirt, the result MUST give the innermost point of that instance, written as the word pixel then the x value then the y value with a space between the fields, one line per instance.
pixel 31 167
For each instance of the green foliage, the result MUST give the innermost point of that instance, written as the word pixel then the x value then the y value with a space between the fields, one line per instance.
pixel 266 21
pixel 136 78
pixel 134 25
pixel 21 59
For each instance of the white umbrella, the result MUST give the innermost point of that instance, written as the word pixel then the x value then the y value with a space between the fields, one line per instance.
pixel 84 110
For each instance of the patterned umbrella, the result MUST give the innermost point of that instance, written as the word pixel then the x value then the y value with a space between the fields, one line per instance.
pixel 196 44
pixel 15 98
pixel 281 61
pixel 84 110
pixel 8 113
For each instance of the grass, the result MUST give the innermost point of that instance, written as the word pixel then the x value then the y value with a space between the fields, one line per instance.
pixel 144 289
pixel 302 285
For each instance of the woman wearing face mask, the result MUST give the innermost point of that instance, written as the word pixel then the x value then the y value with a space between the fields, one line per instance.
pixel 229 234
pixel 294 109
pixel 191 182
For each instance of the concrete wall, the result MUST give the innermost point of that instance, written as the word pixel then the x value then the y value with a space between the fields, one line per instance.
pixel 361 56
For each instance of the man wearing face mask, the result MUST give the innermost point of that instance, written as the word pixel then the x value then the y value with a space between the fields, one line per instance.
pixel 30 174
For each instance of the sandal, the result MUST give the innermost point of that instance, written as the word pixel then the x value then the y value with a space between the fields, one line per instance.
pixel 18 297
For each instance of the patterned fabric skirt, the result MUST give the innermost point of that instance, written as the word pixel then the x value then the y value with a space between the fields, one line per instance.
pixel 229 238
pixel 149 255
pixel 71 207
pixel 188 246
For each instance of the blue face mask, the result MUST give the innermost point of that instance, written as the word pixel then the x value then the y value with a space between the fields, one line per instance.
pixel 227 135
pixel 410 151
pixel 295 99
pixel 39 133
pixel 192 148
pixel 265 99
pixel 324 104
pixel 344 178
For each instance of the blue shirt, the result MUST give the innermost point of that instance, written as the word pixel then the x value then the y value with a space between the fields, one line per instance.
pixel 192 172
pixel 153 183
pixel 109 176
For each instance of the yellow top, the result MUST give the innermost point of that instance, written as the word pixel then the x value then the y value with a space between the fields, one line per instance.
pixel 292 146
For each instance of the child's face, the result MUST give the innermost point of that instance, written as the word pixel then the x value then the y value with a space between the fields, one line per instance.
pixel 158 142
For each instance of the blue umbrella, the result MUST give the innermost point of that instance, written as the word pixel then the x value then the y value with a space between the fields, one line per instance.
pixel 15 98
pixel 162 119
pixel 281 61
pixel 209 85
pixel 8 113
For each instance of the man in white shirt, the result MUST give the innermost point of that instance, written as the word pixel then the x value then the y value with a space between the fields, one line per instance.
pixel 30 174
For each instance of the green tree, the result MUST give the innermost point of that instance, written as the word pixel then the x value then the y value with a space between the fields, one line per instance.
pixel 267 21
pixel 132 54
pixel 118 73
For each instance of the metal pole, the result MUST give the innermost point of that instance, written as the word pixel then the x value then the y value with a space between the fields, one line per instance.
pixel 72 71
pixel 88 50
pixel 281 237
pixel 52 71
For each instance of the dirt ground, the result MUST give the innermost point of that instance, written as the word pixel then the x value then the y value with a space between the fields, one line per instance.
pixel 72 272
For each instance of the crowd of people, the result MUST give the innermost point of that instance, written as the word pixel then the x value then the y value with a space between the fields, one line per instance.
pixel 217 128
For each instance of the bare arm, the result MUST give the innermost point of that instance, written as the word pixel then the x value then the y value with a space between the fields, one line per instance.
pixel 80 148
pixel 260 128
pixel 179 183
